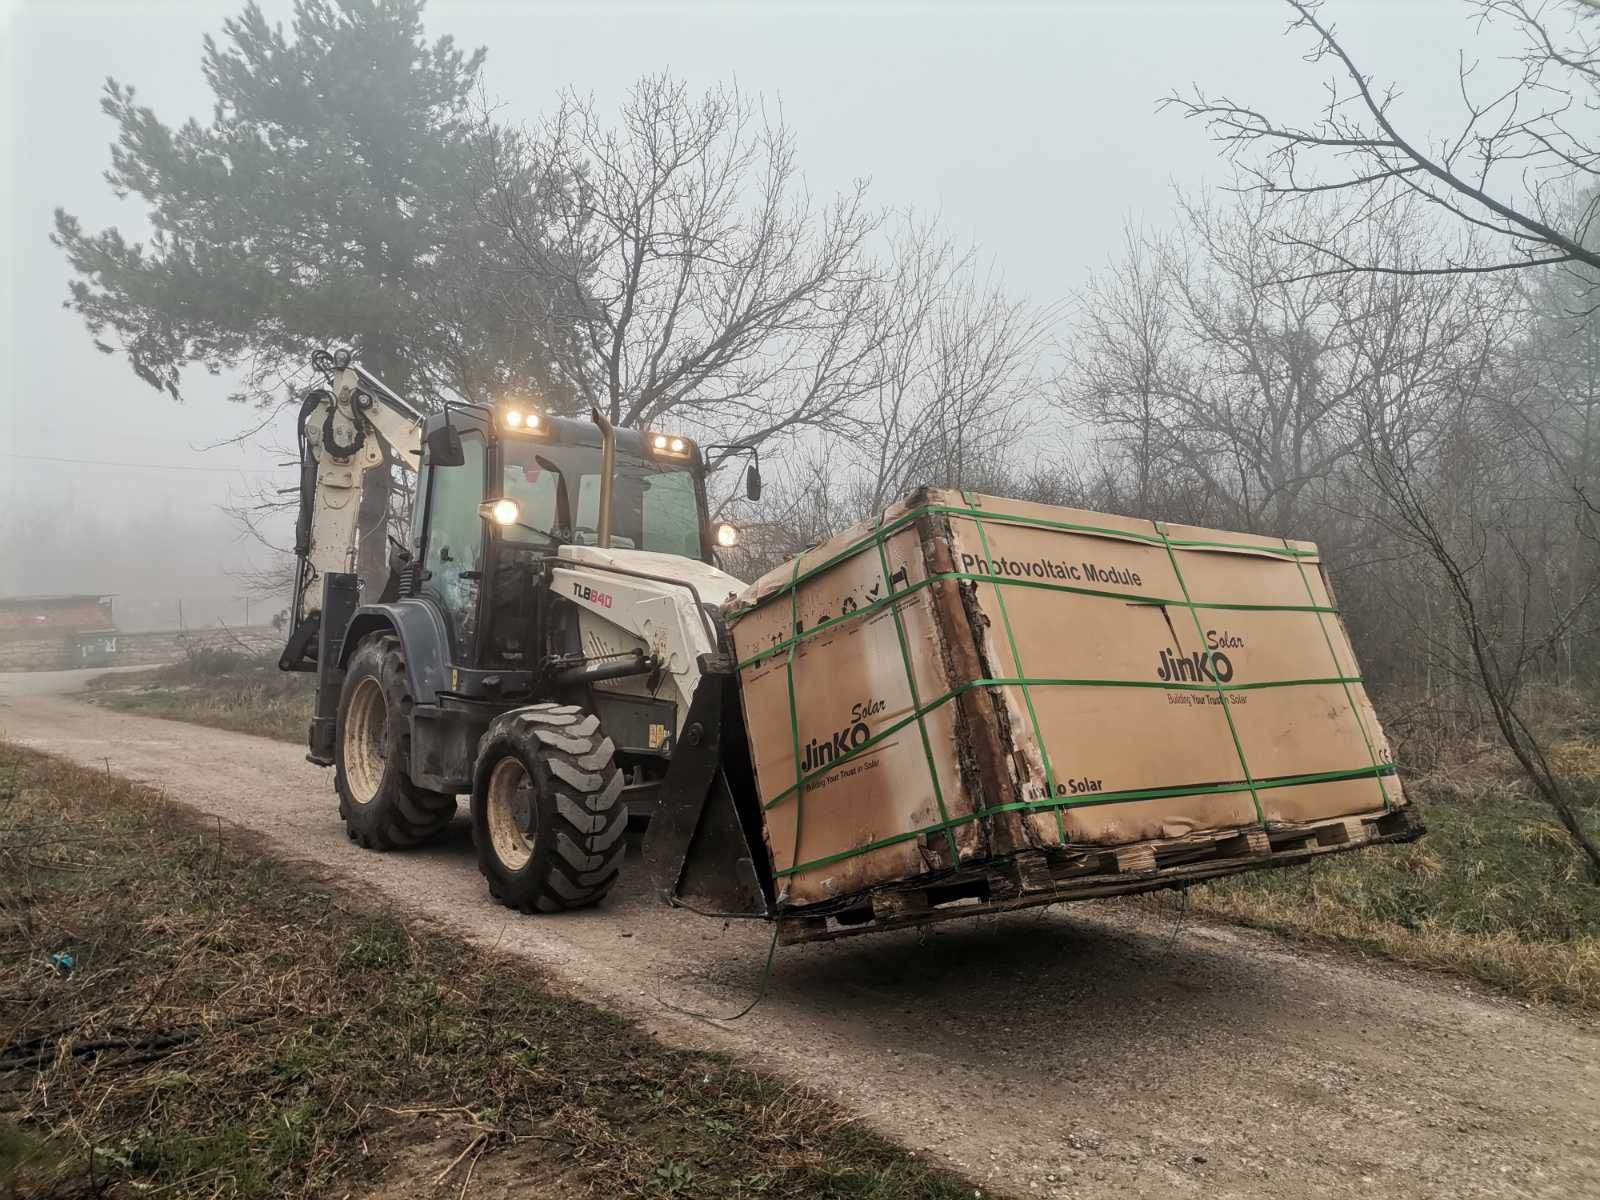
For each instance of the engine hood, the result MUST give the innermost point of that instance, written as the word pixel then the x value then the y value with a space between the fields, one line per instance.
pixel 714 586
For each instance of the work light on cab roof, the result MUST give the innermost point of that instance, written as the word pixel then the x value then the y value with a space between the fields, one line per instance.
pixel 519 419
pixel 669 445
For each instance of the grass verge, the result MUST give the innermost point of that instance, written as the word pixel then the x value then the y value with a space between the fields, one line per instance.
pixel 221 688
pixel 182 1016
pixel 1495 891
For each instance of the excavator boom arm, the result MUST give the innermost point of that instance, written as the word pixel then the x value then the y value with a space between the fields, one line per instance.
pixel 354 425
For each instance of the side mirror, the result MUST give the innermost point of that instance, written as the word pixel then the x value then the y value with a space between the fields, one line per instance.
pixel 444 448
pixel 752 482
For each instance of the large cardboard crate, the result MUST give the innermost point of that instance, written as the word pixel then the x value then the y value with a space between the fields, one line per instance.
pixel 967 678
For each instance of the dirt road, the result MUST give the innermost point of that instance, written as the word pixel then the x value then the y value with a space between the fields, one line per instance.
pixel 1089 1051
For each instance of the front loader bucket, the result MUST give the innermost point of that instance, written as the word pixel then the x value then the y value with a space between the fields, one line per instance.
pixel 704 848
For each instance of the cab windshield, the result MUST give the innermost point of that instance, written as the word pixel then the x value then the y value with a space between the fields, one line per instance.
pixel 654 506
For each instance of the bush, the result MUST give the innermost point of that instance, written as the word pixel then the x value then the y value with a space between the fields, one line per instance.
pixel 206 661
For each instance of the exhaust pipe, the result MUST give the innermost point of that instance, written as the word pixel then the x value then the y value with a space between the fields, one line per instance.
pixel 608 471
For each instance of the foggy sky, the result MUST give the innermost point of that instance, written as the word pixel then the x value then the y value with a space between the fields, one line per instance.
pixel 1031 129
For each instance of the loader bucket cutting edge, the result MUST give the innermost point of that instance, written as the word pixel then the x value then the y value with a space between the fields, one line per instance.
pixel 704 848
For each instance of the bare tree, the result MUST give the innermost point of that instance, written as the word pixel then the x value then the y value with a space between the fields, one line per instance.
pixel 956 362
pixel 703 284
pixel 1479 546
pixel 1118 367
pixel 809 499
pixel 1503 176
pixel 1212 362
pixel 1556 427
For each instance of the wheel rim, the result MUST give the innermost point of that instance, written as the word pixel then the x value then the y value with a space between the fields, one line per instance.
pixel 366 722
pixel 510 813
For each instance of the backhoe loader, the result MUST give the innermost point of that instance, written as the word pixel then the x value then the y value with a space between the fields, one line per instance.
pixel 551 642
pixel 548 642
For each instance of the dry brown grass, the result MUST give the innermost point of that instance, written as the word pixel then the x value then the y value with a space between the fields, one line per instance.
pixel 223 690
pixel 229 1028
pixel 1495 891
pixel 1576 758
pixel 1536 970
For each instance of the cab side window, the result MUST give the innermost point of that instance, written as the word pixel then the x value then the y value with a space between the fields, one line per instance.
pixel 454 531
pixel 670 514
pixel 538 492
pixel 419 507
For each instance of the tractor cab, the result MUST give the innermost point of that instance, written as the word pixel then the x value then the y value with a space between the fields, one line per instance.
pixel 534 537
pixel 501 491
pixel 549 642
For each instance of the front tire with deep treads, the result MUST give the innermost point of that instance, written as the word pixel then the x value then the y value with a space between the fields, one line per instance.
pixel 382 808
pixel 547 809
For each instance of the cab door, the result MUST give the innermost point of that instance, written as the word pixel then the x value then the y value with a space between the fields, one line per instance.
pixel 453 542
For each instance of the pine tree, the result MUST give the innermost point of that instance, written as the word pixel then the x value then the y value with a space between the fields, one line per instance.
pixel 325 202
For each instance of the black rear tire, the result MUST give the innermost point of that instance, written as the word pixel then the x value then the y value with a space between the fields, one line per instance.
pixel 381 807
pixel 547 810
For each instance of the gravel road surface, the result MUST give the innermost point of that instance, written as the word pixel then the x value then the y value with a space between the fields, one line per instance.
pixel 1091 1050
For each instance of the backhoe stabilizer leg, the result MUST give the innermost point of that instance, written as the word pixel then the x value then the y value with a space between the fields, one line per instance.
pixel 341 594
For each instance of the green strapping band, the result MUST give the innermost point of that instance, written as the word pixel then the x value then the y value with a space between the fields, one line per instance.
pixel 1227 715
pixel 917 714
pixel 1016 662
pixel 912 515
pixel 916 701
pixel 1350 699
pixel 972 577
pixel 1106 798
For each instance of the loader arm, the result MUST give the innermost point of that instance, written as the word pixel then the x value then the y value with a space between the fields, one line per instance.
pixel 354 425
pixel 650 603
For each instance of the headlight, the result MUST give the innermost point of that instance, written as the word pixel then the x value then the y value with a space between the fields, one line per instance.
pixel 727 535
pixel 513 419
pixel 505 511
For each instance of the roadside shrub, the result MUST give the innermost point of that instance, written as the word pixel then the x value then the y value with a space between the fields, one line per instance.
pixel 206 661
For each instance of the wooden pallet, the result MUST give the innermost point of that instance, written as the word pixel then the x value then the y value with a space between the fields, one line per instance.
pixel 1033 877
